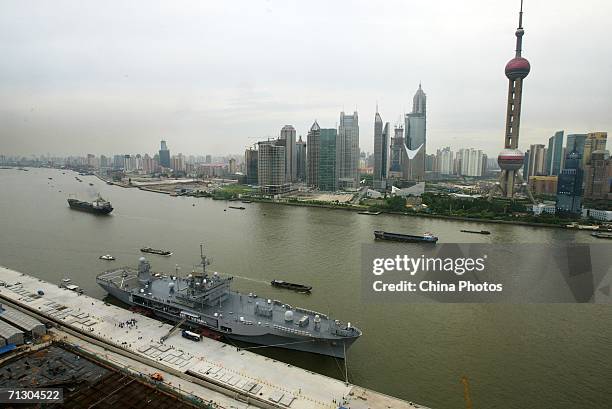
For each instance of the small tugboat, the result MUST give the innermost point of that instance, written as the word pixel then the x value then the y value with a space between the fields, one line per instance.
pixel 291 286
pixel 107 257
pixel 91 184
pixel 406 238
pixel 165 253
pixel 476 231
pixel 237 207
pixel 98 206
pixel 601 235
pixel 246 201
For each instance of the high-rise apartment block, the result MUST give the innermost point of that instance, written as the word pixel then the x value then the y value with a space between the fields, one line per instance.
pixel 271 168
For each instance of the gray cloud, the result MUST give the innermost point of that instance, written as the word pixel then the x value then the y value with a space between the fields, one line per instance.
pixel 211 76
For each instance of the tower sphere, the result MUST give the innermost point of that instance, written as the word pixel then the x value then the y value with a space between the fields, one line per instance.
pixel 510 159
pixel 517 68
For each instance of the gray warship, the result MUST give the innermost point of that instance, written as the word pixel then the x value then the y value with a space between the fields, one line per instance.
pixel 205 301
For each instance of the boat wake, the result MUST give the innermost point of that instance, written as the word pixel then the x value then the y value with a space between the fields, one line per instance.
pixel 252 279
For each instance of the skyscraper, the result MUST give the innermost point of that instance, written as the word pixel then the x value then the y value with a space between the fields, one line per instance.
pixel 288 134
pixel 595 141
pixel 271 168
pixel 537 160
pixel 597 175
pixel 250 161
pixel 511 159
pixel 415 124
pixel 569 185
pixel 300 159
pixel 554 154
pixel 405 164
pixel 419 102
pixel 164 155
pixel 313 149
pixel 381 152
pixel 415 130
pixel 348 151
pixel 575 142
pixel 328 180
pixel 397 149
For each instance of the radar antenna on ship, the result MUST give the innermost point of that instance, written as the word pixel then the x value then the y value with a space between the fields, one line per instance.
pixel 205 261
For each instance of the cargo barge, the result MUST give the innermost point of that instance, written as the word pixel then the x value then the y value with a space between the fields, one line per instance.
pixel 291 286
pixel 476 231
pixel 98 206
pixel 151 250
pixel 406 238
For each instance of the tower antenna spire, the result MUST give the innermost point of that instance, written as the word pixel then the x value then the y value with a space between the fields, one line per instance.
pixel 519 33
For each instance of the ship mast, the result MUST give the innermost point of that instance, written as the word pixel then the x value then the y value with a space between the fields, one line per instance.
pixel 205 261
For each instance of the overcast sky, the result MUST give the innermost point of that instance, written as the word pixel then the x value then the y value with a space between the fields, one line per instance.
pixel 212 77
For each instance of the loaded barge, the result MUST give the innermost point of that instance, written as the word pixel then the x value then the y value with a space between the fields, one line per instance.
pixel 406 238
pixel 291 286
pixel 151 250
pixel 476 231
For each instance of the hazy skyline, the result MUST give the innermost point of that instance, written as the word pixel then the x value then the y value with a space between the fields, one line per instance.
pixel 214 77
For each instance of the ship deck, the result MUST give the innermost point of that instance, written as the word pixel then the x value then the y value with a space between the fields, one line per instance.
pixel 233 308
pixel 231 371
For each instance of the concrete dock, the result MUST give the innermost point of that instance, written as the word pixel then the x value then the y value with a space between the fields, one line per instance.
pixel 210 370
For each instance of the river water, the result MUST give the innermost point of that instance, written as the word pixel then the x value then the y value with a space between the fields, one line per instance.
pixel 515 356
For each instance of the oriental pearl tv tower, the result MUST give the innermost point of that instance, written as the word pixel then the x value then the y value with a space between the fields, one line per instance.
pixel 511 158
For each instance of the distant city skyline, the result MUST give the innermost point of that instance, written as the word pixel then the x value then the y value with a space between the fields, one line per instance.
pixel 112 78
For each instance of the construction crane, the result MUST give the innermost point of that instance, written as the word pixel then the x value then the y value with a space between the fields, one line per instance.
pixel 466 392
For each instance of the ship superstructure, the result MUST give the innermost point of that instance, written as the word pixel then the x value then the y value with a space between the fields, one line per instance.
pixel 203 300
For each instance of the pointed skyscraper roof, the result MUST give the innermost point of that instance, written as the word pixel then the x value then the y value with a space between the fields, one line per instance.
pixel 315 126
pixel 419 102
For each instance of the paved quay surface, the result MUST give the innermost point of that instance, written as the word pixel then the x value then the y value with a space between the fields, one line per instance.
pixel 235 375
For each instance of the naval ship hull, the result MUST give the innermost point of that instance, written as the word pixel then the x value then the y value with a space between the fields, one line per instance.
pixel 329 347
pixel 335 349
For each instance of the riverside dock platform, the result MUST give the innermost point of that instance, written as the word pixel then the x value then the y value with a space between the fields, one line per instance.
pixel 210 370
